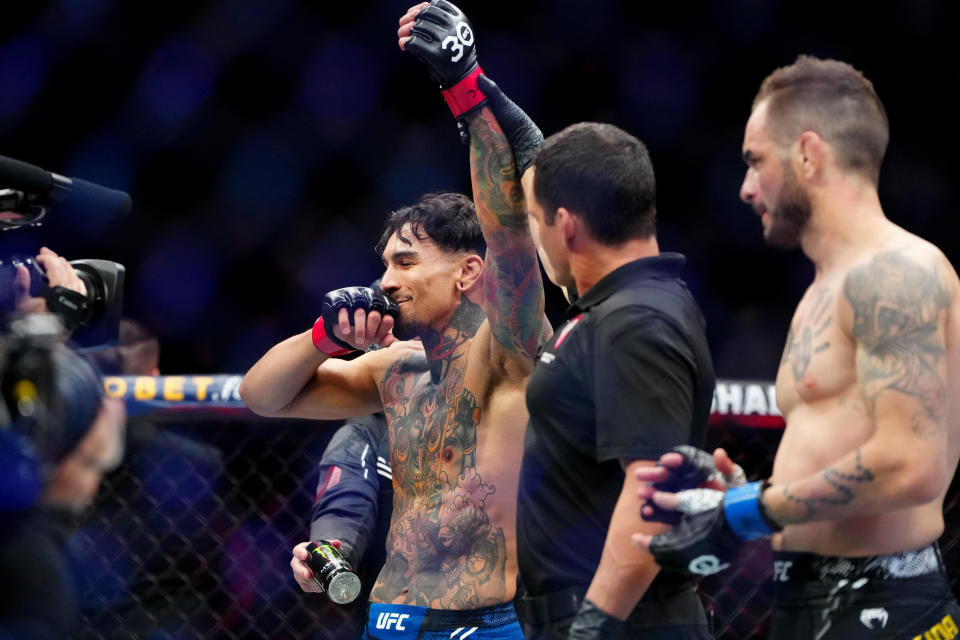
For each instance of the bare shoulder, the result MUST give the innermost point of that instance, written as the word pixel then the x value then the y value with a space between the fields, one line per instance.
pixel 895 282
pixel 901 278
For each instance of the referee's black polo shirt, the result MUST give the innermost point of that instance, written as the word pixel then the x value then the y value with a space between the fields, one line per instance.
pixel 627 376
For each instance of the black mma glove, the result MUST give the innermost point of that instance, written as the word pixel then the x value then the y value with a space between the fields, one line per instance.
pixel 523 134
pixel 442 38
pixel 351 299
pixel 592 623
pixel 696 469
pixel 715 524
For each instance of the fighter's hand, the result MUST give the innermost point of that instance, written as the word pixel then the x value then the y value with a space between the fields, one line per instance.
pixel 406 23
pixel 685 467
pixel 59 273
pixel 301 570
pixel 713 526
pixel 440 36
pixel 354 318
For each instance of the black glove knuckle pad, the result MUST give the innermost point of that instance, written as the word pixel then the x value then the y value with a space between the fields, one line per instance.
pixel 442 38
pixel 349 298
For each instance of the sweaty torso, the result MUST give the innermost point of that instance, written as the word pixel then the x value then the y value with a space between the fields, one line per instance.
pixel 825 399
pixel 456 439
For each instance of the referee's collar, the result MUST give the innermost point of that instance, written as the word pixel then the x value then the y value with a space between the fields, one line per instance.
pixel 665 265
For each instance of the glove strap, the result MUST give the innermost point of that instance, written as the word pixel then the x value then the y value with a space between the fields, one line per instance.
pixel 465 95
pixel 746 514
pixel 326 343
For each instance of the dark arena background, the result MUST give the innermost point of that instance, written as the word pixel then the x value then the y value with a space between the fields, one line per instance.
pixel 263 143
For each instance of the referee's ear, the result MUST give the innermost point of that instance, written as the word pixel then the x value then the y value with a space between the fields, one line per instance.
pixel 570 225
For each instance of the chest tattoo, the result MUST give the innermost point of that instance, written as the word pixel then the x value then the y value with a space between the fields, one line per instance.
pixel 805 337
pixel 443 551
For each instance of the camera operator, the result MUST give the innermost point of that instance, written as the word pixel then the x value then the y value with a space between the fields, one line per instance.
pixel 59 272
pixel 159 557
pixel 37 598
pixel 58 430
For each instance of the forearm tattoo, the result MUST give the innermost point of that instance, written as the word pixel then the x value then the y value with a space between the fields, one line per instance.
pixel 841 494
pixel 513 285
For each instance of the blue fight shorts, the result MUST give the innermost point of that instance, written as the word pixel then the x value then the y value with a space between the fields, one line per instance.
pixel 405 622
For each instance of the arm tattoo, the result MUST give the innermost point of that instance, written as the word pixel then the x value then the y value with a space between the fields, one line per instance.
pixel 842 494
pixel 513 287
pixel 898 306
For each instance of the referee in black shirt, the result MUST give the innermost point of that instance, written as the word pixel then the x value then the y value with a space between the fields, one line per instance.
pixel 626 377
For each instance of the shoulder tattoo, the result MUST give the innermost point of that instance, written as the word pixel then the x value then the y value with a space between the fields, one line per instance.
pixel 898 306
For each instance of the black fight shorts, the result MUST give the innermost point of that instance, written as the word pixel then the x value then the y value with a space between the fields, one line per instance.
pixel 904 595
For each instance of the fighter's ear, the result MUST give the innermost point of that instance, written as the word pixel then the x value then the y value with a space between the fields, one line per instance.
pixel 810 155
pixel 471 270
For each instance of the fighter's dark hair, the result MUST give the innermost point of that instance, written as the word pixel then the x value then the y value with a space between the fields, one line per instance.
pixel 834 100
pixel 602 174
pixel 447 219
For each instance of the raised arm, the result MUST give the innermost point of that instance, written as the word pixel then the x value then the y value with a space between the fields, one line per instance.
pixel 440 36
pixel 513 286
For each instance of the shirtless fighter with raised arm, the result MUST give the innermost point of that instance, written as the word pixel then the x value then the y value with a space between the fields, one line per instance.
pixel 454 397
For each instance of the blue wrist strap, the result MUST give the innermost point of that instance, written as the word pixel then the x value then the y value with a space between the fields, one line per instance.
pixel 744 513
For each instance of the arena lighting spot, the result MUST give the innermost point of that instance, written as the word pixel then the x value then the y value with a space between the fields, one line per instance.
pixel 176 280
pixel 417 167
pixel 75 18
pixel 335 263
pixel 660 89
pixel 234 25
pixel 263 177
pixel 176 81
pixel 23 70
pixel 340 85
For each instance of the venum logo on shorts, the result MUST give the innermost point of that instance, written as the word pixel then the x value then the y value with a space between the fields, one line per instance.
pixel 386 620
pixel 870 616
pixel 706 565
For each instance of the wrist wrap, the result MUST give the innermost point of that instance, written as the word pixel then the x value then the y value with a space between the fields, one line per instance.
pixel 465 94
pixel 746 514
pixel 326 343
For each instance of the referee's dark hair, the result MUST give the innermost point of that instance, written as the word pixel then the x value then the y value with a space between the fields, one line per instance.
pixel 601 174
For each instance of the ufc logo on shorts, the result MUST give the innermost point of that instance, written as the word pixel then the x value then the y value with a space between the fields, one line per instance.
pixel 386 620
pixel 464 38
pixel 780 569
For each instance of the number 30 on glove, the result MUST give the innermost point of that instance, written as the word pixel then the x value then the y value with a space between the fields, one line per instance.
pixel 442 38
pixel 713 526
